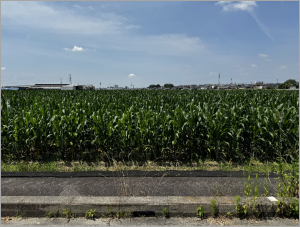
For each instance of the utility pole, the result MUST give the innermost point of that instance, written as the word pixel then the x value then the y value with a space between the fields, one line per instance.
pixel 70 79
pixel 60 80
pixel 231 80
pixel 219 80
pixel 100 85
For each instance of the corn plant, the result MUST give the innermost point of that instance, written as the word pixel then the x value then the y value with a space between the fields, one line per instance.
pixel 150 125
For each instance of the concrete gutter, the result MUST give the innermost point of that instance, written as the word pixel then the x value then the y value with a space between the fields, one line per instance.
pixel 136 173
pixel 37 206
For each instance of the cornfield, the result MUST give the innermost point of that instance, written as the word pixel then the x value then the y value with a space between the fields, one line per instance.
pixel 150 125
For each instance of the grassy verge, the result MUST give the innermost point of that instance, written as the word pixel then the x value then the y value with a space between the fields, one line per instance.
pixel 56 166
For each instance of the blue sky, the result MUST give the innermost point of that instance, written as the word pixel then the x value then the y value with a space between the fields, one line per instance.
pixel 147 43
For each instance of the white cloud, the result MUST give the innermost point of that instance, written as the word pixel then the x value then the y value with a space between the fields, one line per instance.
pixel 297 64
pixel 75 49
pixel 80 7
pixel 240 5
pixel 222 2
pixel 35 14
pixel 213 73
pixel 109 30
pixel 263 55
pixel 2 68
pixel 245 6
pixel 131 75
pixel 282 67
pixel 254 66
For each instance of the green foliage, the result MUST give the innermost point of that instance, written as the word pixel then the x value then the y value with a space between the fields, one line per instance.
pixel 288 83
pixel 68 214
pixel 52 214
pixel 91 214
pixel 149 125
pixel 213 207
pixel 165 212
pixel 283 86
pixel 288 183
pixel 256 192
pixel 109 212
pixel 294 209
pixel 247 184
pixel 200 212
pixel 229 215
pixel 238 207
pixel 266 186
pixel 21 215
pixel 154 86
pixel 168 86
pixel 291 81
pixel 119 214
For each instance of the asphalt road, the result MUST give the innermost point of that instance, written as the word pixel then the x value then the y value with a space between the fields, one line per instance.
pixel 150 221
pixel 122 185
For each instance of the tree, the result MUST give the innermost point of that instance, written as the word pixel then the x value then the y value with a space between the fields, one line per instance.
pixel 154 86
pixel 168 86
pixel 288 83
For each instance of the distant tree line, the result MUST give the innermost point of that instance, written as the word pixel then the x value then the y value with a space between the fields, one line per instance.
pixel 168 86
pixel 158 86
pixel 154 86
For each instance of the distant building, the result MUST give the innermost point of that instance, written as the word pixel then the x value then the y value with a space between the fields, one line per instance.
pixel 258 85
pixel 222 87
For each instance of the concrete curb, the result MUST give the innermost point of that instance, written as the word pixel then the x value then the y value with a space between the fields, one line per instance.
pixel 37 206
pixel 136 173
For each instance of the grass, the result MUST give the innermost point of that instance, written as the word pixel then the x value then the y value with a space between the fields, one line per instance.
pixel 52 214
pixel 59 166
pixel 68 214
pixel 21 215
pixel 165 212
pixel 90 214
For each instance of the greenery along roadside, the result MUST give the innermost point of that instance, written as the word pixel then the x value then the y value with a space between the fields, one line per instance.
pixel 147 166
pixel 150 125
